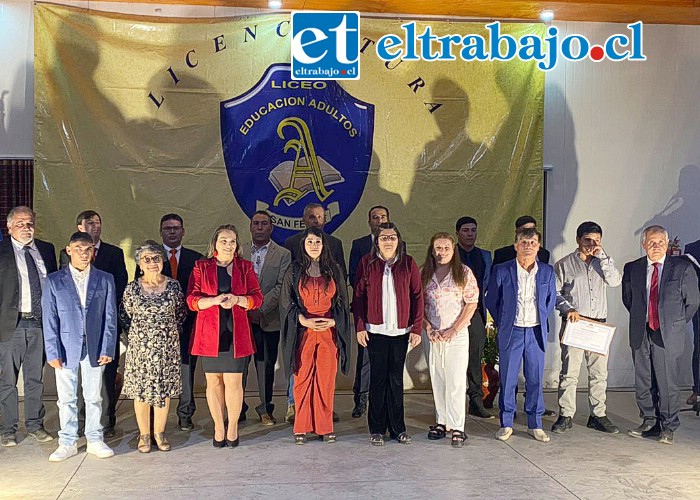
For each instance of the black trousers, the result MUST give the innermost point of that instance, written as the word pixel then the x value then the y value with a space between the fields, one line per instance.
pixel 24 350
pixel 656 382
pixel 362 374
pixel 696 354
pixel 265 357
pixel 477 341
pixel 387 356
pixel 186 406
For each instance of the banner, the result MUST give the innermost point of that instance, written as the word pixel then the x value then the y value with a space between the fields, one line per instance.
pixel 137 117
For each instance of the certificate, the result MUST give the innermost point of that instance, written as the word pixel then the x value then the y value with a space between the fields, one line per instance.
pixel 589 335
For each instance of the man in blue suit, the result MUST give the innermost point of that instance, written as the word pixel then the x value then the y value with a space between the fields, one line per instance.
pixel 80 335
pixel 521 295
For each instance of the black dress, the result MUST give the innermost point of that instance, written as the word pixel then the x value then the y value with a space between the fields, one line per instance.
pixel 225 362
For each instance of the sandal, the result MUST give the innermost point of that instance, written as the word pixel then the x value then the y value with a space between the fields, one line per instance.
pixel 300 438
pixel 161 441
pixel 330 438
pixel 404 438
pixel 436 432
pixel 144 445
pixel 376 440
pixel 458 438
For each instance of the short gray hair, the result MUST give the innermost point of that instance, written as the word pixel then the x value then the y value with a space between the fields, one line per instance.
pixel 654 229
pixel 21 209
pixel 149 246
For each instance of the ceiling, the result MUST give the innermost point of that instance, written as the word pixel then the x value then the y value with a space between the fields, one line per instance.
pixel 617 11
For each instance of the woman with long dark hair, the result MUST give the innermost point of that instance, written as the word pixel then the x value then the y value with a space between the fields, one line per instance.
pixel 316 331
pixel 388 310
pixel 451 297
pixel 222 289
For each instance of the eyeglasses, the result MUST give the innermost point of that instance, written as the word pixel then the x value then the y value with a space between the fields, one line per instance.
pixel 388 237
pixel 156 259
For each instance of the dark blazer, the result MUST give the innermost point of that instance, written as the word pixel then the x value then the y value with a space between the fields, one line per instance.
pixel 205 283
pixel 291 306
pixel 335 245
pixel 504 254
pixel 65 321
pixel 361 247
pixel 110 259
pixel 679 299
pixel 502 298
pixel 9 283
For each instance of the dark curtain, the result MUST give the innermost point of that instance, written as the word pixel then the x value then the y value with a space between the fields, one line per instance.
pixel 16 187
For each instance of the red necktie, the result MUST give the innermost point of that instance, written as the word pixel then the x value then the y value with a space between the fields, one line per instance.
pixel 653 307
pixel 173 263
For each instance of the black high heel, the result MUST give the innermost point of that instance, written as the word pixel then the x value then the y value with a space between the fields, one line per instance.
pixel 219 444
pixel 234 443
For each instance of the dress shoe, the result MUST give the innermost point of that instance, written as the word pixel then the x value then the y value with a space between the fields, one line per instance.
pixel 289 417
pixel 99 449
pixel 666 437
pixel 602 424
pixel 233 444
pixel 267 419
pixel 109 432
pixel 41 435
pixel 218 444
pixel 539 435
pixel 144 445
pixel 504 433
pixel 562 424
pixel 8 440
pixel 63 452
pixel 186 424
pixel 480 411
pixel 647 427
pixel 360 406
pixel 692 399
pixel 161 441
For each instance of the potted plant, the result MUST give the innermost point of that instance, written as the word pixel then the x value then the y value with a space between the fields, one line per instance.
pixel 489 370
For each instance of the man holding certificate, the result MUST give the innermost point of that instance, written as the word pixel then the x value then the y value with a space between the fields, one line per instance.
pixel 661 294
pixel 583 277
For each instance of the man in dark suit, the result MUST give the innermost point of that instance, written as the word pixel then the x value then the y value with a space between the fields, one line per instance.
pixel 504 254
pixel 361 247
pixel 270 262
pixel 315 216
pixel 522 295
pixel 108 258
pixel 661 295
pixel 179 265
pixel 24 264
pixel 692 253
pixel 479 261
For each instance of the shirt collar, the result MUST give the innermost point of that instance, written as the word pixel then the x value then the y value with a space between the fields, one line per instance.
pixel 20 246
pixel 521 269
pixel 79 274
pixel 661 261
pixel 97 245
pixel 266 246
pixel 167 248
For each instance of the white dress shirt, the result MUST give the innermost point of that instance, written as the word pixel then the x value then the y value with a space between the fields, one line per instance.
pixel 25 296
pixel 390 315
pixel 177 252
pixel 526 313
pixel 650 271
pixel 257 255
pixel 81 278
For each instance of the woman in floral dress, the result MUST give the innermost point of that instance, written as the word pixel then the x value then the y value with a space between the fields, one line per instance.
pixel 152 312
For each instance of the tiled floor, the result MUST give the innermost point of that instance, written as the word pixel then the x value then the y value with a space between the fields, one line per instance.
pixel 580 464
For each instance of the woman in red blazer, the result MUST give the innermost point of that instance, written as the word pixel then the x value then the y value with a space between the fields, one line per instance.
pixel 221 290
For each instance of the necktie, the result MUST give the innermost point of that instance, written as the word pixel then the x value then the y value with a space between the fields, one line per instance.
pixel 94 255
pixel 653 307
pixel 173 263
pixel 34 282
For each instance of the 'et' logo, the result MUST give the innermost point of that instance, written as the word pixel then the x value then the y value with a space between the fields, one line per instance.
pixel 325 45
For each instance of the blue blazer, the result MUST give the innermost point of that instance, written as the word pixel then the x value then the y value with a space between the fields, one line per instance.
pixel 502 298
pixel 65 320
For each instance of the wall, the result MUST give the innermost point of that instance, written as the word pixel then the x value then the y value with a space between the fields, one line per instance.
pixel 621 140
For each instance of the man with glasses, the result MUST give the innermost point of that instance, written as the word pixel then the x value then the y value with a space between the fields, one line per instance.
pixel 24 264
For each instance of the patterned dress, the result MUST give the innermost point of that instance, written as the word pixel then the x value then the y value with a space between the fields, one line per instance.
pixel 153 323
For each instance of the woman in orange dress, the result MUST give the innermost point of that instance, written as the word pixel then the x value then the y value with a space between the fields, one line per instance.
pixel 316 331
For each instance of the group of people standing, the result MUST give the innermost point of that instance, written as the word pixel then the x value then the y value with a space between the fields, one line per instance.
pixel 242 301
